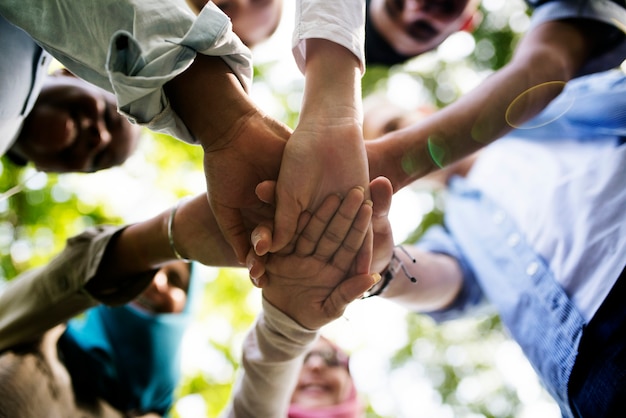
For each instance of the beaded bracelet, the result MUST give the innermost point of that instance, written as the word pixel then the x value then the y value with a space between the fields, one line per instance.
pixel 170 231
pixel 394 266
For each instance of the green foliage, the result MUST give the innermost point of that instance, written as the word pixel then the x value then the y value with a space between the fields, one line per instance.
pixel 38 219
pixel 35 223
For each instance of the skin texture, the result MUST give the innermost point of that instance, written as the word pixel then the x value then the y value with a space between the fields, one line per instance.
pixel 74 126
pixel 545 59
pixel 328 141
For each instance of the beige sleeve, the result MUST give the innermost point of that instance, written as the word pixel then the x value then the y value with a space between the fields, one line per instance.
pixel 272 358
pixel 44 297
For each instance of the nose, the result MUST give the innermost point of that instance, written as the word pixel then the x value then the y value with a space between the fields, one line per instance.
pixel 96 131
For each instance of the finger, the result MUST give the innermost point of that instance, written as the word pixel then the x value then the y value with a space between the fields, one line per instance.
pixel 313 230
pixel 256 268
pixel 365 255
pixel 304 219
pixel 261 238
pixel 340 225
pixel 381 192
pixel 265 191
pixel 346 292
pixel 285 223
pixel 354 241
pixel 231 224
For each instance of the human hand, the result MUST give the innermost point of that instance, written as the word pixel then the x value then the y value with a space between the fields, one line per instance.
pixel 242 146
pixel 325 154
pixel 232 172
pixel 310 283
pixel 381 192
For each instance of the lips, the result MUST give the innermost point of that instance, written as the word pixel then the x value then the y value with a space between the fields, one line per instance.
pixel 314 388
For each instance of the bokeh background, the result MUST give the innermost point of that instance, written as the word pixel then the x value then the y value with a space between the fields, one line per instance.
pixel 405 365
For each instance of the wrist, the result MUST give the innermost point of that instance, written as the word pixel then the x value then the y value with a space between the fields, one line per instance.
pixel 394 268
pixel 193 93
pixel 333 81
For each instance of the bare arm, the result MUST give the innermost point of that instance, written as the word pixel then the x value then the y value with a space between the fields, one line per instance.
pixel 327 144
pixel 144 246
pixel 439 280
pixel 242 146
pixel 546 58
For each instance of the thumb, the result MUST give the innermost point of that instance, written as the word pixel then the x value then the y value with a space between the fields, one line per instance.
pixel 232 226
pixel 346 292
pixel 285 224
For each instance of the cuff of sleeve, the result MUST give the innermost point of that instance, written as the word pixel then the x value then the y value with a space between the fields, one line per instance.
pixel 290 337
pixel 471 297
pixel 339 22
pixel 138 74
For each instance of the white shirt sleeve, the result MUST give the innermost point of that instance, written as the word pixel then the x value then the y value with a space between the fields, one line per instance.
pixel 273 352
pixel 340 21
pixel 132 47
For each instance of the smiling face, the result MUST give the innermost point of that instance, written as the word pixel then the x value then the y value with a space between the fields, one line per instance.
pixel 167 293
pixel 413 27
pixel 324 378
pixel 74 127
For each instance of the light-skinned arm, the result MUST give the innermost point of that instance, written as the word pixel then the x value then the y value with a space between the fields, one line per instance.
pixel 544 61
pixel 326 153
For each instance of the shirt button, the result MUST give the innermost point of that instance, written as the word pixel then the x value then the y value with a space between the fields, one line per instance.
pixel 532 268
pixel 513 240
pixel 498 217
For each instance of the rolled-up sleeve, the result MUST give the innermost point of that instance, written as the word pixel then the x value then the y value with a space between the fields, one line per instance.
pixel 43 298
pixel 342 22
pixel 471 299
pixel 132 48
pixel 272 358
pixel 610 12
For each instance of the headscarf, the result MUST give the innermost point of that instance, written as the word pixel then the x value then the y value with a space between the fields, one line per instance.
pixel 351 407
pixel 126 356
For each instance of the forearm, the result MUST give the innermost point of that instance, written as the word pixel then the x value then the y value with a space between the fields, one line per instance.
pixel 333 82
pixel 544 62
pixel 209 99
pixel 145 246
pixel 272 357
pixel 42 298
pixel 438 281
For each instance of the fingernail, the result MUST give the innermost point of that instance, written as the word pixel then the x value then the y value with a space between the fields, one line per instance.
pixel 369 203
pixel 361 188
pixel 254 281
pixel 376 277
pixel 250 263
pixel 256 237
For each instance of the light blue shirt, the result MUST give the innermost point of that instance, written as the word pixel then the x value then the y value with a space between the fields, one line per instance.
pixel 544 301
pixel 610 12
pixel 23 68
pixel 132 47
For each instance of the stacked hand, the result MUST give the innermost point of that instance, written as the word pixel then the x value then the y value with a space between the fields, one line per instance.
pixel 323 268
